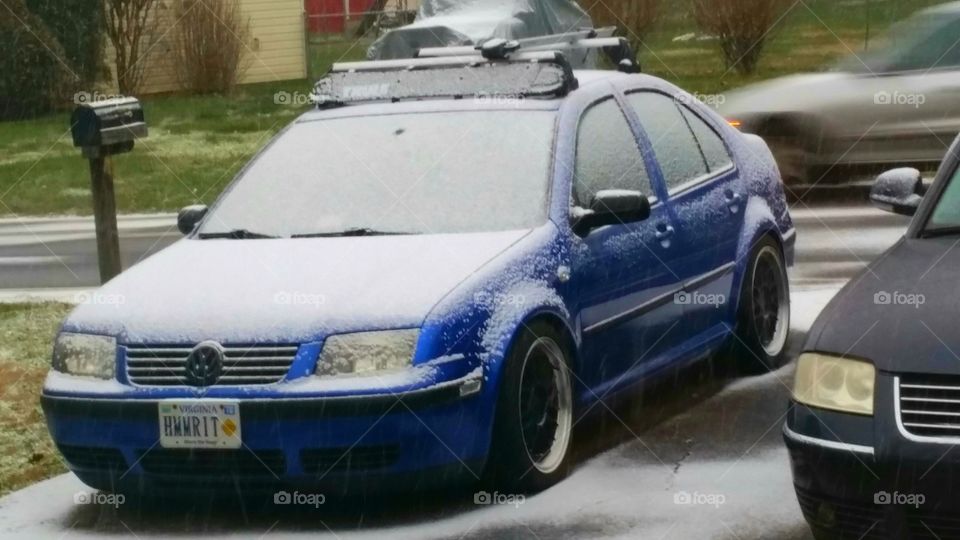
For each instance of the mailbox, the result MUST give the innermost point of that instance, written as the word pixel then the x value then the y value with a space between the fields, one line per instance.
pixel 108 127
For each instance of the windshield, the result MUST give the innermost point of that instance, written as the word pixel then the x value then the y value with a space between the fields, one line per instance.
pixel 924 41
pixel 452 172
pixel 946 214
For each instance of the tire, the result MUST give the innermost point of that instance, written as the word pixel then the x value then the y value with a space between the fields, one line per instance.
pixel 760 338
pixel 533 424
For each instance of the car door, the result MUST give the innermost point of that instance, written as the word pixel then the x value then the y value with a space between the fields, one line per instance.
pixel 622 273
pixel 705 197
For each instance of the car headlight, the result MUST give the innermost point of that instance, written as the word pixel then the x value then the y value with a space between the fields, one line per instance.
pixel 835 383
pixel 367 352
pixel 82 354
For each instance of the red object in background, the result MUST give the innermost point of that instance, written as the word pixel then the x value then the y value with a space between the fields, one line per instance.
pixel 327 16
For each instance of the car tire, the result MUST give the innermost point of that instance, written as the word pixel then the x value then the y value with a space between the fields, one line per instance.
pixel 533 424
pixel 759 340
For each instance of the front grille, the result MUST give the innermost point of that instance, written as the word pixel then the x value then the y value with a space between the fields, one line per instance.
pixel 241 462
pixel 248 365
pixel 321 460
pixel 93 458
pixel 930 405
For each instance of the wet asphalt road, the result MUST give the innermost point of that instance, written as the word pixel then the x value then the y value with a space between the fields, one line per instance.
pixel 699 456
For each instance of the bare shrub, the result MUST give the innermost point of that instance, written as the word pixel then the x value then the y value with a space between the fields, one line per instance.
pixel 741 27
pixel 209 42
pixel 633 18
pixel 128 24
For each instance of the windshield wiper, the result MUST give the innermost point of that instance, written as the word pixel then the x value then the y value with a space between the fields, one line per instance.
pixel 357 231
pixel 940 231
pixel 236 234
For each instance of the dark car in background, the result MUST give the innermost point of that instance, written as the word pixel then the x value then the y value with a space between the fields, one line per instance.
pixel 875 416
pixel 897 103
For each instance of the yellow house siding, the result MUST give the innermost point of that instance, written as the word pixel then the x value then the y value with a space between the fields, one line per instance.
pixel 276 47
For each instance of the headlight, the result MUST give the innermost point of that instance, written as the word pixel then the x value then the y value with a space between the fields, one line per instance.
pixel 834 383
pixel 367 352
pixel 81 354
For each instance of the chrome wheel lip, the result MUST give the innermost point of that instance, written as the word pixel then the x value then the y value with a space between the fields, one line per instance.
pixel 561 440
pixel 775 345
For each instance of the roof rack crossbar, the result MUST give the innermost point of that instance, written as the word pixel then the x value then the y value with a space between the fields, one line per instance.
pixel 552 41
pixel 439 61
pixel 617 49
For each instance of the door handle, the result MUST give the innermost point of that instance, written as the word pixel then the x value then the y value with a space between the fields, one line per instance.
pixel 663 234
pixel 733 201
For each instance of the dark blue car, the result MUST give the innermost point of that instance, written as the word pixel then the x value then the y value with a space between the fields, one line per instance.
pixel 420 280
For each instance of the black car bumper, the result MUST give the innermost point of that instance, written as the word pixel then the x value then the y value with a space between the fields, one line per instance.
pixel 856 478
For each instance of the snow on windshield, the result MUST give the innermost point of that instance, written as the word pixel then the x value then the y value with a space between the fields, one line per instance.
pixel 426 173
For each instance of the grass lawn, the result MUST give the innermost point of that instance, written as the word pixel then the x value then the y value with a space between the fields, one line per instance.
pixel 197 144
pixel 812 35
pixel 26 336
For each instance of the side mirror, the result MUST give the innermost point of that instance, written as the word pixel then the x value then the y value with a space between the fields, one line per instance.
pixel 899 191
pixel 610 207
pixel 189 217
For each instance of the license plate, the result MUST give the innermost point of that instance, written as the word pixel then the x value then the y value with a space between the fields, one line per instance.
pixel 199 423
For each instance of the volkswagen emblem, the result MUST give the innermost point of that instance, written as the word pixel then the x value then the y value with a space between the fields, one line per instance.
pixel 205 364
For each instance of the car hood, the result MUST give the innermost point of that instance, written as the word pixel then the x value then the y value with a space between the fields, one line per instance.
pixel 288 290
pixel 809 92
pixel 901 313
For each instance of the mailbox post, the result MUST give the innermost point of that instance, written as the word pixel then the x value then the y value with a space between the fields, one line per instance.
pixel 102 129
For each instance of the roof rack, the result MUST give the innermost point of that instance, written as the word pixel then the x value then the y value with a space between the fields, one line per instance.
pixel 617 49
pixel 532 67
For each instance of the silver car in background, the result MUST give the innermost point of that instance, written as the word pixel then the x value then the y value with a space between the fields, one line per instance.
pixel 897 103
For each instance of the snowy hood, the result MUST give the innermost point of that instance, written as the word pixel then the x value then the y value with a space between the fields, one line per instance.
pixel 246 291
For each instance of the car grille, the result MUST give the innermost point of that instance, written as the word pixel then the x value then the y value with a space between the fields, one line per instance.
pixel 318 461
pixel 163 461
pixel 930 405
pixel 166 366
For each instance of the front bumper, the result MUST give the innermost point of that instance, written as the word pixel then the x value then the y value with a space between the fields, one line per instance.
pixel 857 477
pixel 337 443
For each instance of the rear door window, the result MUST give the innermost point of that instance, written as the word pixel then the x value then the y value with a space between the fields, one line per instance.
pixel 674 145
pixel 714 151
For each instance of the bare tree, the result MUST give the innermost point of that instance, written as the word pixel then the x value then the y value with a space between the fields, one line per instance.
pixel 209 42
pixel 128 25
pixel 742 27
pixel 633 18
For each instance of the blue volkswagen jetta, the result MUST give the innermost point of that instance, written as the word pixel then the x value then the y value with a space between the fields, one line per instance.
pixel 432 276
